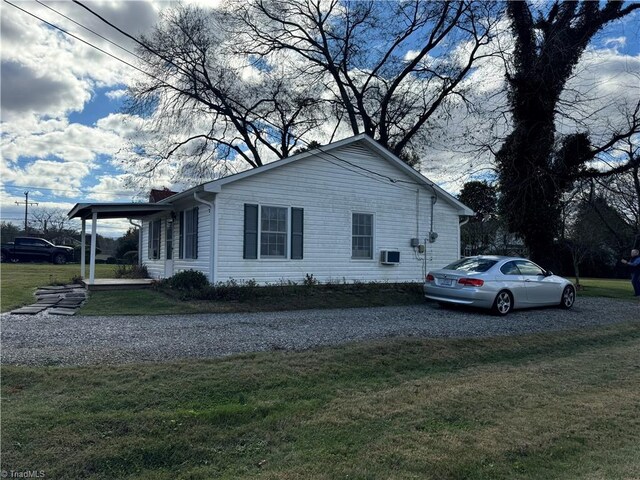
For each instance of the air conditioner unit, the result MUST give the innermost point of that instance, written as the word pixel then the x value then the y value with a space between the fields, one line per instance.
pixel 389 257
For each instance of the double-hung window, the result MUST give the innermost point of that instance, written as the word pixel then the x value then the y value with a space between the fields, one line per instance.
pixel 273 232
pixel 188 234
pixel 362 235
pixel 154 240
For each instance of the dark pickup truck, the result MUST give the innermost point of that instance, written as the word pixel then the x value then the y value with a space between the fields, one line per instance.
pixel 27 249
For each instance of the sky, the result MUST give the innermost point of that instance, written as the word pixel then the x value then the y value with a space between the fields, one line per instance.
pixel 64 128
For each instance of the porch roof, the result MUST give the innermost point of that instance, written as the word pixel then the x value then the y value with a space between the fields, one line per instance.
pixel 117 210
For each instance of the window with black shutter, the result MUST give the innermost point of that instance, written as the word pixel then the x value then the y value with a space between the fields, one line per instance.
pixel 297 236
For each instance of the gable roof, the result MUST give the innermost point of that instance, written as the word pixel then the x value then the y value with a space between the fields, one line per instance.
pixel 215 186
pixel 138 210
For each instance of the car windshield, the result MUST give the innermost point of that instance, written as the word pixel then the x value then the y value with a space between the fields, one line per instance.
pixel 472 264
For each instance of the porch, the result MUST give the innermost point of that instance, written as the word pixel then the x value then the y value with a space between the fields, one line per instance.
pixel 94 212
pixel 117 284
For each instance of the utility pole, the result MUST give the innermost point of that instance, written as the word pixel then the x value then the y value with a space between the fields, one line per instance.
pixel 26 210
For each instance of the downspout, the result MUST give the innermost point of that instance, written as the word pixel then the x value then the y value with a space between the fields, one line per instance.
pixel 213 250
pixel 460 224
pixel 139 226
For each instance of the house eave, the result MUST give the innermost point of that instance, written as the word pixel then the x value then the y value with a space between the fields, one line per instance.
pixel 117 210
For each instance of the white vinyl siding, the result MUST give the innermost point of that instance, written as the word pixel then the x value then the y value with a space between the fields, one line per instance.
pixel 329 195
pixel 156 267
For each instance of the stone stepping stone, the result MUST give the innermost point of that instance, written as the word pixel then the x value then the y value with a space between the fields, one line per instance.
pixel 69 303
pixel 48 301
pixel 41 293
pixel 62 311
pixel 75 295
pixel 30 310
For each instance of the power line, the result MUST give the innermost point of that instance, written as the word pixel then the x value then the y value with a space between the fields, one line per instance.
pixel 86 42
pixel 92 31
pixel 120 193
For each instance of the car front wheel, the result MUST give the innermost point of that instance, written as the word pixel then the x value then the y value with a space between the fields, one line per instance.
pixel 59 259
pixel 568 297
pixel 503 303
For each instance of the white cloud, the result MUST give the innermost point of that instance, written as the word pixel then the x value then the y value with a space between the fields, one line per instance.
pixel 116 94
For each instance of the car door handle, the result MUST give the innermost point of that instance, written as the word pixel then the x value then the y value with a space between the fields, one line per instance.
pixel 527 280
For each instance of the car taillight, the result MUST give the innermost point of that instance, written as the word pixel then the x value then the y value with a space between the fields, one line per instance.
pixel 471 282
pixel 430 278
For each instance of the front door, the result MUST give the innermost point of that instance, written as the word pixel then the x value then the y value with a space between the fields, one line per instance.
pixel 168 262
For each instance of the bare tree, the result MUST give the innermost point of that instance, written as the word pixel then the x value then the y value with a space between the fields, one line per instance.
pixel 257 80
pixel 535 164
pixel 210 105
pixel 50 222
pixel 388 67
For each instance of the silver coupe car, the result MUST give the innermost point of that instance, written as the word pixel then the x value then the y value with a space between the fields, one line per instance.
pixel 499 283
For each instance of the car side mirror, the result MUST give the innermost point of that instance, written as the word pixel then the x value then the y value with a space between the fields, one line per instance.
pixel 548 273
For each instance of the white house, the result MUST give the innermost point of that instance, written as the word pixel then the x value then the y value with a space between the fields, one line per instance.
pixel 348 211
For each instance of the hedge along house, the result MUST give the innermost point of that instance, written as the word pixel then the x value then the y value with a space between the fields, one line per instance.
pixel 348 211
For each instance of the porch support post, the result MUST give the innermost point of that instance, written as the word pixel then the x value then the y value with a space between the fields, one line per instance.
pixel 92 260
pixel 83 248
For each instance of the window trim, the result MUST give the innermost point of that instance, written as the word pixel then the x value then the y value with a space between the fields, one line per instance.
pixel 152 239
pixel 373 235
pixel 186 240
pixel 287 242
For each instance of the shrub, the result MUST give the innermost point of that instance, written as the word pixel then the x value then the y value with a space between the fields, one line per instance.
pixel 187 281
pixel 131 271
pixel 309 280
pixel 130 257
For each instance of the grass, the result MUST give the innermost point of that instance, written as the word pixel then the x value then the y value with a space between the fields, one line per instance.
pixel 563 406
pixel 18 281
pixel 278 298
pixel 606 287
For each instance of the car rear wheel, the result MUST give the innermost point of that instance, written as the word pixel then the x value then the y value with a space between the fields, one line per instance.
pixel 568 297
pixel 59 259
pixel 503 303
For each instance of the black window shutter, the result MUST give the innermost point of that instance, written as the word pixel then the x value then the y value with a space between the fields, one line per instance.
pixel 297 235
pixel 250 231
pixel 195 232
pixel 181 236
pixel 159 235
pixel 150 246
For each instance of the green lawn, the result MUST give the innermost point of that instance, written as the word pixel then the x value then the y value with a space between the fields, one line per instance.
pixel 146 302
pixel 606 287
pixel 18 281
pixel 562 406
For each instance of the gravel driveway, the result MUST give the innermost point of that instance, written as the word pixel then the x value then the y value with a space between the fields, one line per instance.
pixel 54 340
